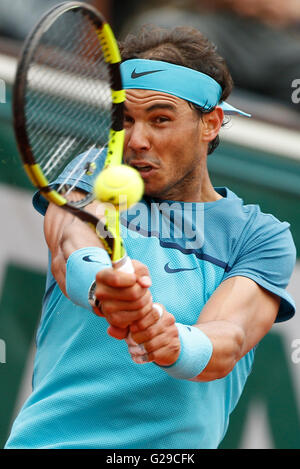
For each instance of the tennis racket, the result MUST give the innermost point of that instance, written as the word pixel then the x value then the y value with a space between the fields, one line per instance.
pixel 68 101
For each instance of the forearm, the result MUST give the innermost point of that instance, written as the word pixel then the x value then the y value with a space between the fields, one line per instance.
pixel 198 353
pixel 228 347
pixel 235 318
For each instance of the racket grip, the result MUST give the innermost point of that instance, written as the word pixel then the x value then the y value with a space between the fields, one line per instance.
pixel 124 265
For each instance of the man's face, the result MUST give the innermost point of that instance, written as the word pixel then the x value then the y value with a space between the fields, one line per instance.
pixel 163 141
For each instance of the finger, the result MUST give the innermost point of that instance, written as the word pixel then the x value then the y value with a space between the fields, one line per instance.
pixel 149 319
pixel 111 306
pixel 117 332
pixel 131 293
pixel 124 319
pixel 98 311
pixel 165 339
pixel 142 274
pixel 141 360
pixel 144 281
pixel 159 308
pixel 115 278
pixel 136 350
pixel 140 269
pixel 166 322
pixel 165 356
pixel 163 350
pixel 117 314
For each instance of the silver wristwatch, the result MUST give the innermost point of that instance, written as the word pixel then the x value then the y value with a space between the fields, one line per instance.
pixel 94 302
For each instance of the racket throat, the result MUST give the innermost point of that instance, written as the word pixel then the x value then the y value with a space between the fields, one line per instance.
pixel 113 223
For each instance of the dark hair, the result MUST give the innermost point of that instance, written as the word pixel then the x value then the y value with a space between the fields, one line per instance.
pixel 184 46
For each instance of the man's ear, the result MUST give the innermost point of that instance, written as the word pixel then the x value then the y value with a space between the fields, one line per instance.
pixel 212 124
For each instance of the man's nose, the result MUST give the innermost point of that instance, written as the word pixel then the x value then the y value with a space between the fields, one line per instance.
pixel 138 138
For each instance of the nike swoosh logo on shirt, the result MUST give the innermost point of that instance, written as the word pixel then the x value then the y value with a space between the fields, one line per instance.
pixel 89 259
pixel 169 270
pixel 141 74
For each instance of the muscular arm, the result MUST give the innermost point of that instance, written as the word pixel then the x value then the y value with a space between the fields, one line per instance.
pixel 236 318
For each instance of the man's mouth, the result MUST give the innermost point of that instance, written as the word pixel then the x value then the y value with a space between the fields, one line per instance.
pixel 143 167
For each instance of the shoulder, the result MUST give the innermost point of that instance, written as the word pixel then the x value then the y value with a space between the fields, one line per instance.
pixel 248 223
pixel 263 249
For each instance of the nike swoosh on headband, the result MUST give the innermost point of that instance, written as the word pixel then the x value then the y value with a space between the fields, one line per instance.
pixel 169 270
pixel 135 74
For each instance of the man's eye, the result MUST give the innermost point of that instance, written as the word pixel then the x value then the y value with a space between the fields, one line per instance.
pixel 128 119
pixel 161 119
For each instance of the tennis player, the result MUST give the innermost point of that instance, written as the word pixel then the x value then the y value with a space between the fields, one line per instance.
pixel 209 282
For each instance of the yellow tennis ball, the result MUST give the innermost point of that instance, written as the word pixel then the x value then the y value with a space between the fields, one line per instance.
pixel 119 185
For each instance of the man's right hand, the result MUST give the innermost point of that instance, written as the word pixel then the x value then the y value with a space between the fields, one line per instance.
pixel 125 299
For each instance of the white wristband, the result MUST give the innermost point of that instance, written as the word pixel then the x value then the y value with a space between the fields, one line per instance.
pixel 196 351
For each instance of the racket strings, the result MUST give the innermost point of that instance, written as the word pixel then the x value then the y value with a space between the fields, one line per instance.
pixel 89 161
pixel 68 99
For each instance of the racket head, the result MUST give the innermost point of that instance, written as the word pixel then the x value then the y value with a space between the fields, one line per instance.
pixel 68 101
pixel 68 93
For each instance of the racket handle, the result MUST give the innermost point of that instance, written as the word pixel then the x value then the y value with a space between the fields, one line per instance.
pixel 124 265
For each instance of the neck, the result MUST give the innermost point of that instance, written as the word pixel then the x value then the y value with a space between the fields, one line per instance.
pixel 194 187
pixel 206 191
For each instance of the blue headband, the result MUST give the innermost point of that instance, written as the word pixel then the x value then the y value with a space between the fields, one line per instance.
pixel 183 82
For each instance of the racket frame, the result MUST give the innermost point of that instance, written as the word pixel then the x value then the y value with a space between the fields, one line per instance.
pixel 111 240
